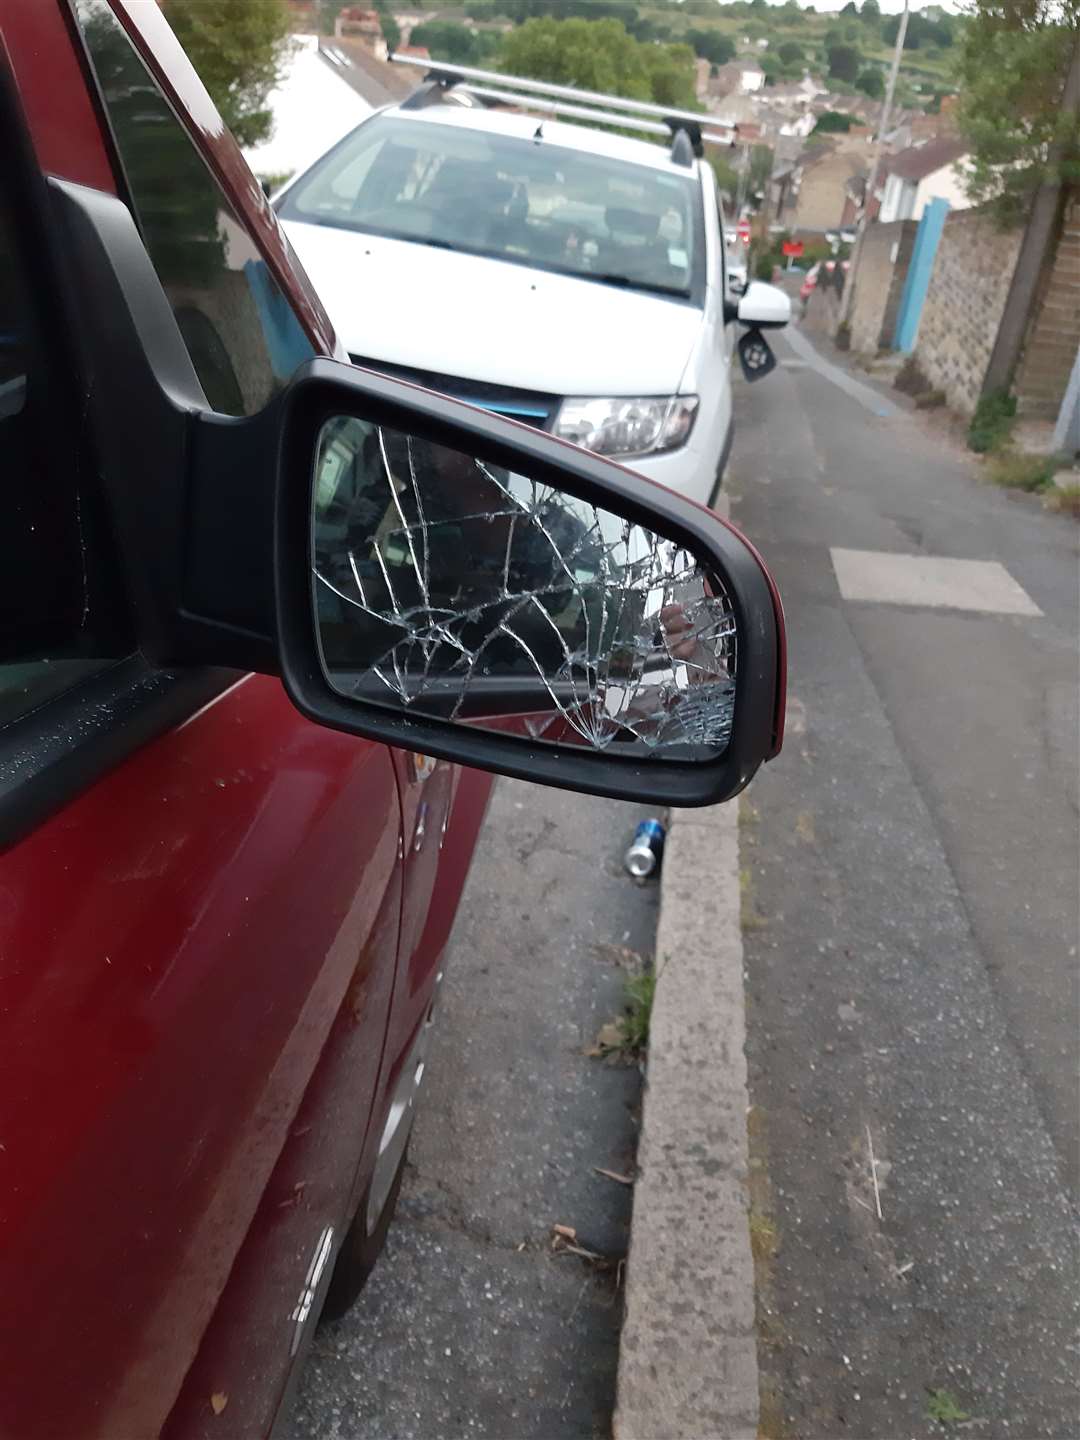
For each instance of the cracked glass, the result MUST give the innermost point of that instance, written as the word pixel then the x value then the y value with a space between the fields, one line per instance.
pixel 449 587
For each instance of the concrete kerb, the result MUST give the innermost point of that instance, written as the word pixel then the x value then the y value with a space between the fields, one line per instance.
pixel 688 1357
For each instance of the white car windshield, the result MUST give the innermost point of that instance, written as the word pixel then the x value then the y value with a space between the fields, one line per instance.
pixel 522 201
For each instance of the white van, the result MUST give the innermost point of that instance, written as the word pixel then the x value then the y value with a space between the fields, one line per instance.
pixel 568 277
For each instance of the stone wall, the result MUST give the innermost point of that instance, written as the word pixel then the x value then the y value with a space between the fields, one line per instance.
pixel 969 284
pixel 1054 337
pixel 882 271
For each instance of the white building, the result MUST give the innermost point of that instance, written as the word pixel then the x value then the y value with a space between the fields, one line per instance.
pixel 933 171
pixel 313 107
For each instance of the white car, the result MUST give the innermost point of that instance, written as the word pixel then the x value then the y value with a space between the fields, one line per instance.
pixel 567 277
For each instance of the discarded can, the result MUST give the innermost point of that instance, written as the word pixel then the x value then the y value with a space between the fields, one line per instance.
pixel 644 854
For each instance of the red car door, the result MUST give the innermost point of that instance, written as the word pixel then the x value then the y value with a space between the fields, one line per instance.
pixel 200 894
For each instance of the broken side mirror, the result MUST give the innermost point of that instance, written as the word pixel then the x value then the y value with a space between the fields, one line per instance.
pixel 455 583
pixel 418 571
pixel 762 307
pixel 755 355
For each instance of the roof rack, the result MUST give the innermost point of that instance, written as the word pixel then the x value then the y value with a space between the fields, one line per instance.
pixel 588 105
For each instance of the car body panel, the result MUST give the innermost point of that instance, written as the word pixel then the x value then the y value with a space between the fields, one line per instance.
pixel 178 943
pixel 495 320
pixel 60 114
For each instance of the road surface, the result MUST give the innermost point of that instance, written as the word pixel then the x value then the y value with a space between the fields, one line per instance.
pixel 470 1326
pixel 910 907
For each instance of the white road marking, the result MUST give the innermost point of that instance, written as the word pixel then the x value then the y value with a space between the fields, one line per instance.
pixel 932 580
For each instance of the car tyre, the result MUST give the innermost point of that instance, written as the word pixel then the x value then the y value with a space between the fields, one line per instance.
pixel 361 1248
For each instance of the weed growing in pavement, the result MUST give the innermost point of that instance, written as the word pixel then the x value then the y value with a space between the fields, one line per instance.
pixel 1019 471
pixel 749 917
pixel 910 380
pixel 639 991
pixel 992 423
pixel 942 1407
pixel 763 1236
pixel 627 1038
pixel 1065 498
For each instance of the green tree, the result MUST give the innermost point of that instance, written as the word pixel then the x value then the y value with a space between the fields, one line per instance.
pixel 833 122
pixel 761 167
pixel 871 82
pixel 790 53
pixel 672 76
pixel 844 63
pixel 711 45
pixel 1014 58
pixel 727 177
pixel 391 30
pixel 449 40
pixel 870 14
pixel 238 47
pixel 600 55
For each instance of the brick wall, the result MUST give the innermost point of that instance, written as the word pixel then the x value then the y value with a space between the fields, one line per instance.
pixel 970 281
pixel 880 284
pixel 1054 337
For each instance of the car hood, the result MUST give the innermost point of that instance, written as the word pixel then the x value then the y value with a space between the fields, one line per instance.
pixel 456 314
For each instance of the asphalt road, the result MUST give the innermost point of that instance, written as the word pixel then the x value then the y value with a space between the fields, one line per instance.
pixel 911 917
pixel 470 1325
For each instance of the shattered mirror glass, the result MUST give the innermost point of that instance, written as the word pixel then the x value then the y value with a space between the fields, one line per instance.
pixel 449 587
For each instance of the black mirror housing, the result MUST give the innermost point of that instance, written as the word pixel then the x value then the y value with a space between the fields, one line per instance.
pixel 324 390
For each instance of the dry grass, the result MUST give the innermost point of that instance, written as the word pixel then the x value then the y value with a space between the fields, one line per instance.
pixel 1065 499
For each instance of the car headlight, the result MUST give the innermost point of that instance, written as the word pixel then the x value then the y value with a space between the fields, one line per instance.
pixel 628 427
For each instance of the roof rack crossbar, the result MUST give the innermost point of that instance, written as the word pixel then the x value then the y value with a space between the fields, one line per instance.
pixel 558 107
pixel 455 74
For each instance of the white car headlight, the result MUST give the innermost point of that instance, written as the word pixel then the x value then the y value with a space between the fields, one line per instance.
pixel 628 427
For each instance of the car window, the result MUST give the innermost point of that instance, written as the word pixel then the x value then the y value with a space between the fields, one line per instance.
pixel 243 336
pixel 49 633
pixel 511 199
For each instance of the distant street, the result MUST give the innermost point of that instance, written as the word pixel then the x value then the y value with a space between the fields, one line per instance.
pixel 911 928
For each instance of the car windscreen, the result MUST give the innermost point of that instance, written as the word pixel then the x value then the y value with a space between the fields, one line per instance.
pixel 511 199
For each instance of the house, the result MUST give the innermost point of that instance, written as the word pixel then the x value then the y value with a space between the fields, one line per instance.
pixel 376 82
pixel 313 105
pixel 355 22
pixel 751 77
pixel 935 170
pixel 827 170
pixel 856 194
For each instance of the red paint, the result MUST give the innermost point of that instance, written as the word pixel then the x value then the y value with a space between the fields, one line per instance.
pixel 177 946
pixel 59 112
pixel 792 247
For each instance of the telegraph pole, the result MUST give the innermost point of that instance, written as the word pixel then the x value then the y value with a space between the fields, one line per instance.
pixel 871 184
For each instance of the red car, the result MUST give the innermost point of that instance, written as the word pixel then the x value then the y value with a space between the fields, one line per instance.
pixel 256 603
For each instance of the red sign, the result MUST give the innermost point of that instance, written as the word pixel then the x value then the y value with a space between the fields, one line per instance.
pixel 792 247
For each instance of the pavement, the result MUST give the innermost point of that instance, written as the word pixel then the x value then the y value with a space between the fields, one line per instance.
pixel 470 1324
pixel 910 928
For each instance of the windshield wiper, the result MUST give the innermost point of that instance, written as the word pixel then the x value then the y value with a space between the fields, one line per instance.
pixel 624 282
